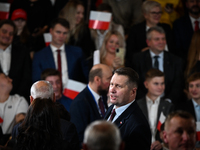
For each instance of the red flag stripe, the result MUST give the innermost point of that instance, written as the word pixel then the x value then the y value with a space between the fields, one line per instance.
pixel 70 93
pixel 4 15
pixel 96 24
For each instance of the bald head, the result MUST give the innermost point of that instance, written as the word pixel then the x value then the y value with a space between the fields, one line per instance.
pixel 42 89
pixel 98 70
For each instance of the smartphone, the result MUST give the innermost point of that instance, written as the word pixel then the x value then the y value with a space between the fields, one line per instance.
pixel 169 6
pixel 120 52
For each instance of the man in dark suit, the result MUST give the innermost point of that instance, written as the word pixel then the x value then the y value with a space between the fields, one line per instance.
pixel 136 41
pixel 44 89
pixel 153 106
pixel 126 114
pixel 15 60
pixel 69 60
pixel 166 62
pixel 185 26
pixel 91 103
pixel 192 106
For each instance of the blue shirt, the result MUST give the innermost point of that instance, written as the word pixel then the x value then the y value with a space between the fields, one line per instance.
pixel 197 110
pixel 160 60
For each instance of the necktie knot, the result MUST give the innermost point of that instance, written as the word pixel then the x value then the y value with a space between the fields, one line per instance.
pixel 112 115
pixel 196 27
pixel 156 63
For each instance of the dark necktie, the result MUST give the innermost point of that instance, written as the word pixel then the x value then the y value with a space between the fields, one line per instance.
pixel 101 106
pixel 196 27
pixel 112 115
pixel 59 65
pixel 156 63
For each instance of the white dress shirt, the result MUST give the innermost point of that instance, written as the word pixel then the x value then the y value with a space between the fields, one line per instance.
pixel 193 21
pixel 63 62
pixel 196 110
pixel 152 114
pixel 160 60
pixel 5 59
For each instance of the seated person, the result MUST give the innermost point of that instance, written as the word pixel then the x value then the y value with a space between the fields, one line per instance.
pixel 12 107
pixel 53 76
pixel 152 105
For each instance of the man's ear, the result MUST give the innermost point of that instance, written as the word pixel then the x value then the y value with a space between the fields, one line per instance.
pixel 146 84
pixel 165 137
pixel 50 31
pixel 31 99
pixel 97 80
pixel 147 41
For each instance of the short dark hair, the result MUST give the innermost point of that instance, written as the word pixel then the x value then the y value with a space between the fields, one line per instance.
pixel 104 7
pixel 61 21
pixel 95 72
pixel 157 29
pixel 195 76
pixel 9 22
pixel 133 77
pixel 151 73
pixel 49 72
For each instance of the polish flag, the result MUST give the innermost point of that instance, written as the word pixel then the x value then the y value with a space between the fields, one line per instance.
pixel 4 10
pixel 161 121
pixel 1 120
pixel 99 20
pixel 198 130
pixel 47 38
pixel 73 88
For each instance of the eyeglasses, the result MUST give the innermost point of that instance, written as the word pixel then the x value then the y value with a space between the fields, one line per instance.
pixel 156 13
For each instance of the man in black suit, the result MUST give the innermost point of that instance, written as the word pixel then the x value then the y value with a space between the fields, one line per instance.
pixel 126 114
pixel 192 106
pixel 15 60
pixel 153 106
pixel 157 57
pixel 91 103
pixel 185 26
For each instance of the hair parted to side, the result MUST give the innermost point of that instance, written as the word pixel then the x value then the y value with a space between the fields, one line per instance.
pixel 42 89
pixel 133 77
pixel 103 49
pixel 152 73
pixel 195 76
pixel 49 72
pixel 147 6
pixel 60 21
pixel 179 113
pixel 157 29
pixel 102 135
pixel 9 22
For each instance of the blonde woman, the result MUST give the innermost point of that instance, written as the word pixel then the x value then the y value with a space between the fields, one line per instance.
pixel 112 41
pixel 79 32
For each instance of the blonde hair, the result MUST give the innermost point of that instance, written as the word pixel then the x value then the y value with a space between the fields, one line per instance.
pixel 193 53
pixel 69 12
pixel 103 50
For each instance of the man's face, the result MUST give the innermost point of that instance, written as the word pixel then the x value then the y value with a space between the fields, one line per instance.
pixel 193 6
pixel 181 134
pixel 105 81
pixel 155 86
pixel 56 83
pixel 194 89
pixel 119 92
pixel 5 82
pixel 59 35
pixel 157 42
pixel 153 16
pixel 6 35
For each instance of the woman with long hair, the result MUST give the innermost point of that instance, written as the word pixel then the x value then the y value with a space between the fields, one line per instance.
pixel 41 127
pixel 193 59
pixel 112 41
pixel 80 36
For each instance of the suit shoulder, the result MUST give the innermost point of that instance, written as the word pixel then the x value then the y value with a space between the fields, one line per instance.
pixel 181 20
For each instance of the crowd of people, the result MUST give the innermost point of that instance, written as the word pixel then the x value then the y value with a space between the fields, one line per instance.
pixel 157 76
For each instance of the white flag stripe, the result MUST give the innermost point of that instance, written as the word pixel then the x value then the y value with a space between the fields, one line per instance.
pixel 96 57
pixel 75 85
pixel 198 126
pixel 162 117
pixel 5 7
pixel 101 16
pixel 47 37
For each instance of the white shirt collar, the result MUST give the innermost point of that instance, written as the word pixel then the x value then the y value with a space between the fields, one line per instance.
pixel 153 54
pixel 96 96
pixel 157 101
pixel 53 48
pixel 8 49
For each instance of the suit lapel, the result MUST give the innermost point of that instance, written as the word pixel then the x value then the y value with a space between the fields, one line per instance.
pixel 144 108
pixel 167 66
pixel 161 108
pixel 148 60
pixel 49 57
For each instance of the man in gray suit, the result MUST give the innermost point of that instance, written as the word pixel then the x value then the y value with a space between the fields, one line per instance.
pixel 152 105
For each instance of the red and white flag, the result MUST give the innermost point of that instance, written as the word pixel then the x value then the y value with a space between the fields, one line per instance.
pixel 99 20
pixel 198 130
pixel 161 120
pixel 47 38
pixel 1 120
pixel 4 10
pixel 73 88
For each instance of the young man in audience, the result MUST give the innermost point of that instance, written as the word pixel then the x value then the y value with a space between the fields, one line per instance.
pixel 12 107
pixel 157 57
pixel 192 106
pixel 15 60
pixel 180 131
pixel 102 135
pixel 53 76
pixel 125 112
pixel 91 103
pixel 68 60
pixel 153 106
